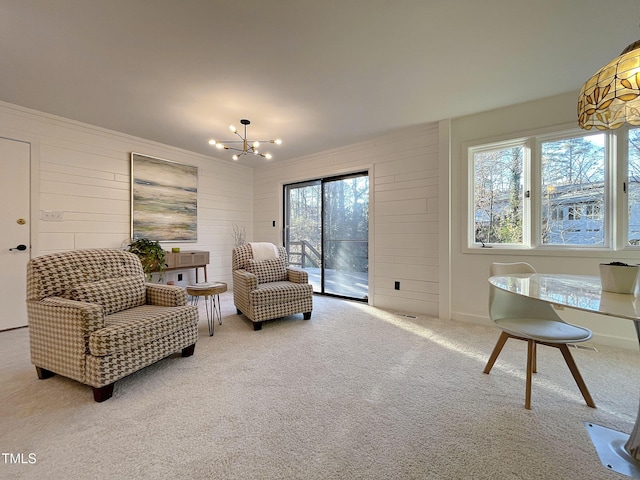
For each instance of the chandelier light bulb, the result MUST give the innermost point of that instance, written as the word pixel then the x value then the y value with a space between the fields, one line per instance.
pixel 242 144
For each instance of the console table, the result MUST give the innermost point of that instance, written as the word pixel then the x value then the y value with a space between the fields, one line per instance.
pixel 188 259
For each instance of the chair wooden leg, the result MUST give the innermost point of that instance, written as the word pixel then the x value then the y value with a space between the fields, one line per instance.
pixel 576 375
pixel 496 351
pixel 531 354
pixel 535 357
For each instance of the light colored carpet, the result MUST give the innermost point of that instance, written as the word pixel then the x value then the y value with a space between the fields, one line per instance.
pixel 355 393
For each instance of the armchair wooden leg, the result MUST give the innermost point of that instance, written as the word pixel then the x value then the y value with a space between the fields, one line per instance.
pixel 100 394
pixel 188 351
pixel 496 351
pixel 43 373
pixel 307 315
pixel 257 326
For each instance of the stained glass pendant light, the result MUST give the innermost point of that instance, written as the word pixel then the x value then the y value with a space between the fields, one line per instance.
pixel 611 97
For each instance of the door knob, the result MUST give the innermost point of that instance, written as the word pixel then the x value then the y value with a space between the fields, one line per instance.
pixel 19 247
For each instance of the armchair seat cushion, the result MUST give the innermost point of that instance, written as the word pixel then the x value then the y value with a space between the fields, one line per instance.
pixel 280 292
pixel 130 329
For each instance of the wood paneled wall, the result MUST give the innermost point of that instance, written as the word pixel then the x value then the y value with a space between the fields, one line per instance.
pixel 84 172
pixel 404 223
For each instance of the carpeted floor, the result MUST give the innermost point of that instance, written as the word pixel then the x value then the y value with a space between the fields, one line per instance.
pixel 355 393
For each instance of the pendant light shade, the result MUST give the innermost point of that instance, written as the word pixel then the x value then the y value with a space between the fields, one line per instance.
pixel 611 97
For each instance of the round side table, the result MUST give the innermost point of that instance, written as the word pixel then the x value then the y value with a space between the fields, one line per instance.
pixel 212 291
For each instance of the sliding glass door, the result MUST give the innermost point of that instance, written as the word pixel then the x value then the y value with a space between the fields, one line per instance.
pixel 327 233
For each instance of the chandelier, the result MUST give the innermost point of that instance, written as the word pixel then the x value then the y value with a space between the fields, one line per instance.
pixel 248 147
pixel 611 97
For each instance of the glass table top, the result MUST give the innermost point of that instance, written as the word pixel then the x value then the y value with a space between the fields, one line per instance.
pixel 581 292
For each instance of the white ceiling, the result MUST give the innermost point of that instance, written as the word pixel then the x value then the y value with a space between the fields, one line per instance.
pixel 317 73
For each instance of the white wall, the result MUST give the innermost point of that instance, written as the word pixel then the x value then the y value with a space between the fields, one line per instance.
pixel 469 271
pixel 84 172
pixel 415 222
pixel 404 227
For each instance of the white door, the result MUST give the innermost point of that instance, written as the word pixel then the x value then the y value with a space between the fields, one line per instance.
pixel 15 231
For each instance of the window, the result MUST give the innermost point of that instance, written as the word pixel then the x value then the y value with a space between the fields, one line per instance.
pixel 551 191
pixel 573 177
pixel 633 187
pixel 498 194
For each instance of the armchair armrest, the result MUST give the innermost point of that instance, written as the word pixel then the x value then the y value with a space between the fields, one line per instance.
pixel 59 331
pixel 244 279
pixel 67 315
pixel 243 283
pixel 166 295
pixel 297 275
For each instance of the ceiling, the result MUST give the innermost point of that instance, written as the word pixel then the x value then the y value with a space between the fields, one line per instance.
pixel 317 73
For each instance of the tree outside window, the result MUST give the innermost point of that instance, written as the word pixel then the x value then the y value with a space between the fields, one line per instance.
pixel 498 195
pixel 633 187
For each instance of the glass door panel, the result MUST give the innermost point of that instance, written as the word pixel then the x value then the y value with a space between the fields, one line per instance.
pixel 346 236
pixel 303 229
pixel 327 233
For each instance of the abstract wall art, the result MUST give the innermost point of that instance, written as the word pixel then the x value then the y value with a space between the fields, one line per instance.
pixel 164 200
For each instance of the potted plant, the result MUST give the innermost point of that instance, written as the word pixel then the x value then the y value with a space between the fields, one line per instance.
pixel 150 253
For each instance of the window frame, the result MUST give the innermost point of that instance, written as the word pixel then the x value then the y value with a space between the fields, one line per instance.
pixel 608 210
pixel 615 207
pixel 526 186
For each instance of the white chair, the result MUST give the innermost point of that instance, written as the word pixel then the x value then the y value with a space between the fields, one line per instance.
pixel 535 322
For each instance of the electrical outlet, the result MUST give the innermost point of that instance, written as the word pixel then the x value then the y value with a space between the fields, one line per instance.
pixel 397 286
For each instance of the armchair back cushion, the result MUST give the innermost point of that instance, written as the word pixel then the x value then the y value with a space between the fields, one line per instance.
pixel 57 274
pixel 114 294
pixel 243 254
pixel 267 271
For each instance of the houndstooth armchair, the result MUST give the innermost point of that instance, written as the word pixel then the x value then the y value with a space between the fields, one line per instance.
pixel 93 318
pixel 264 289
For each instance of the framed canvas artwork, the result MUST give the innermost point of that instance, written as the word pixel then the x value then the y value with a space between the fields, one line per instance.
pixel 164 200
